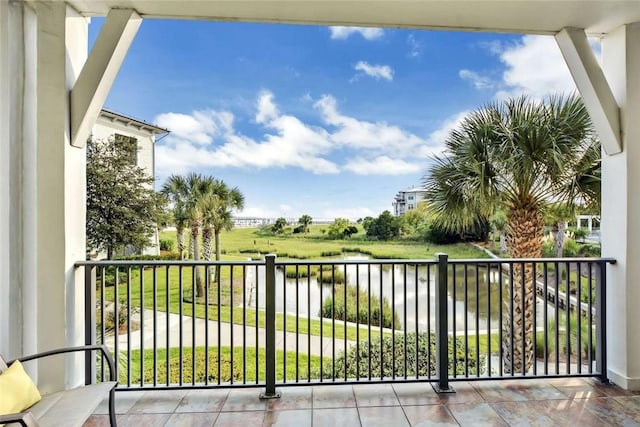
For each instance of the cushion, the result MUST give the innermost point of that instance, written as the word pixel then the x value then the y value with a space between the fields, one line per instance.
pixel 17 391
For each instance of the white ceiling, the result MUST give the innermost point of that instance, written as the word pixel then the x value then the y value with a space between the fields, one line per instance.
pixel 518 16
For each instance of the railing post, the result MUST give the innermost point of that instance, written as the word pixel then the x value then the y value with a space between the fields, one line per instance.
pixel 442 327
pixel 601 321
pixel 270 302
pixel 89 322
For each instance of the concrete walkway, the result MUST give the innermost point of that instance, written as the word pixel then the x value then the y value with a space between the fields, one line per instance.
pixel 180 331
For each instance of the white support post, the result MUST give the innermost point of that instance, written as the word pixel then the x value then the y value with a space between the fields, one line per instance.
pixel 593 86
pixel 621 209
pixel 97 76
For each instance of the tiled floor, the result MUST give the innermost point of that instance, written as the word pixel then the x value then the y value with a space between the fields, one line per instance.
pixel 556 402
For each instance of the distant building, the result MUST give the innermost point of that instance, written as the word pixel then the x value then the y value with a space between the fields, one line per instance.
pixel 408 199
pixel 139 137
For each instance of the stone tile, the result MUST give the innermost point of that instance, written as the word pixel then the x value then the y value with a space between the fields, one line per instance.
pixel 240 419
pixel 335 417
pixel 338 396
pixel 474 414
pixel 612 411
pixel 97 421
pixel 246 399
pixel 567 412
pixel 416 394
pixel 124 402
pixel 158 402
pixel 464 393
pixel 509 391
pixel 612 389
pixel 203 401
pixel 297 418
pixel 522 414
pixel 632 402
pixel 422 416
pixel 382 416
pixel 584 391
pixel 292 398
pixel 192 419
pixel 375 395
pixel 143 420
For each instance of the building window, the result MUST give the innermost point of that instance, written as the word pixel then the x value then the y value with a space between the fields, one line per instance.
pixel 410 207
pixel 410 197
pixel 127 146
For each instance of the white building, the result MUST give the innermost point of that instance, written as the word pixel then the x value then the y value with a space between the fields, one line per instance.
pixel 141 137
pixel 408 199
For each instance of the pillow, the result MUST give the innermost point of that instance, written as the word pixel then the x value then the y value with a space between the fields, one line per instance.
pixel 17 391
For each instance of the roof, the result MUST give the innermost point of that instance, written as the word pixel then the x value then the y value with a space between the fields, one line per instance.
pixel 130 121
pixel 522 16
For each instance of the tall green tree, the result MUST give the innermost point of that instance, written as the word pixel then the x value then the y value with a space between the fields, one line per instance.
pixel 305 221
pixel 217 207
pixel 518 155
pixel 122 207
pixel 176 190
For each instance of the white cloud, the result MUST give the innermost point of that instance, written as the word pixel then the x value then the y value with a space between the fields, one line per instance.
pixel 478 81
pixel 376 71
pixel 354 133
pixel 200 127
pixel 382 165
pixel 535 67
pixel 436 139
pixel 341 33
pixel 290 142
pixel 415 47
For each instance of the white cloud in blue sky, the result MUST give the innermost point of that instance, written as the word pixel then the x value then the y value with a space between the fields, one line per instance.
pixel 376 71
pixel 341 33
pixel 273 109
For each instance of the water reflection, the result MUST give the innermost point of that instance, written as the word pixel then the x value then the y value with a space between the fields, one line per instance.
pixel 473 293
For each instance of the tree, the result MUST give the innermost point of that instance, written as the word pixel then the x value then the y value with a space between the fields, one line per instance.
pixel 278 226
pixel 122 206
pixel 519 156
pixel 305 220
pixel 175 189
pixel 385 227
pixel 349 231
pixel 218 207
pixel 337 227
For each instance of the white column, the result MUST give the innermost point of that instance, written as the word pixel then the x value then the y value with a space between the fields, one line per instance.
pixel 621 209
pixel 58 206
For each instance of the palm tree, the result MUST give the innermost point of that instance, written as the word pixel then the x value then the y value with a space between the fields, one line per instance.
pixel 305 220
pixel 519 156
pixel 175 188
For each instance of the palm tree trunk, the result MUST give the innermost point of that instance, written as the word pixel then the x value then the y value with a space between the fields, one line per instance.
pixel 207 237
pixel 180 240
pixel 195 232
pixel 503 242
pixel 524 238
pixel 559 238
pixel 217 241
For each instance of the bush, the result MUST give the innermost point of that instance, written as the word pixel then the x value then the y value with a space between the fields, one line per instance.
pixel 332 274
pixel 291 272
pixel 359 358
pixel 166 245
pixel 548 249
pixel 171 256
pixel 330 253
pixel 337 310
pixel 589 250
pixel 570 248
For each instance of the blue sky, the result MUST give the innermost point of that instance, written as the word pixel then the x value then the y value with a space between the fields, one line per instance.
pixel 326 121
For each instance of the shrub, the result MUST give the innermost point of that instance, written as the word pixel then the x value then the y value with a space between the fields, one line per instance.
pixel 166 245
pixel 330 253
pixel 548 249
pixel 589 250
pixel 570 248
pixel 302 271
pixel 351 314
pixel 332 274
pixel 359 358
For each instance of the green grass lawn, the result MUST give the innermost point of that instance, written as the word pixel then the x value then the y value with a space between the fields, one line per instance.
pixel 241 366
pixel 251 242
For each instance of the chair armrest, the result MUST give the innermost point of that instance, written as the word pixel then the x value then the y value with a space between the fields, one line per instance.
pixel 25 419
pixel 85 348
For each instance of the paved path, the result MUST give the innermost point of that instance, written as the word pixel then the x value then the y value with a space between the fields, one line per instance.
pixel 144 336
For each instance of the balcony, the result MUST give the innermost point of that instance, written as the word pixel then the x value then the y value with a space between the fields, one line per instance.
pixel 422 340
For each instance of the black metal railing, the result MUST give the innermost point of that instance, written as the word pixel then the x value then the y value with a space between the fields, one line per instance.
pixel 268 323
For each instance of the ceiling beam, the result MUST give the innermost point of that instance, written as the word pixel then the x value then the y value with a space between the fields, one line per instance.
pixel 99 71
pixel 593 86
